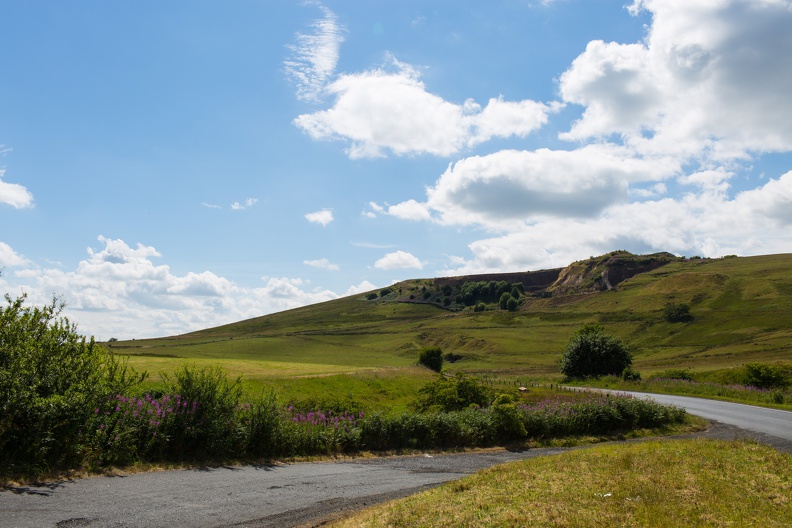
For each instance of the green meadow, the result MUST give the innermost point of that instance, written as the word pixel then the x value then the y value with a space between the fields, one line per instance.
pixel 741 313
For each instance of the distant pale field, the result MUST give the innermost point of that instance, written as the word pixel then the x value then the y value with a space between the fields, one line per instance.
pixel 251 370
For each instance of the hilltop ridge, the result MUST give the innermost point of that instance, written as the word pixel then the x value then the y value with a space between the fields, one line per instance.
pixel 595 274
pixel 740 311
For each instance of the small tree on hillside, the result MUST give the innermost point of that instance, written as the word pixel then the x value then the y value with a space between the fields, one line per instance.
pixel 503 302
pixel 591 352
pixel 512 304
pixel 431 358
pixel 677 313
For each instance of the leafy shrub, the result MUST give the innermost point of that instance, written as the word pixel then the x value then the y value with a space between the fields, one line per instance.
pixel 629 374
pixel 764 376
pixel 51 380
pixel 506 418
pixel 371 296
pixel 673 374
pixel 512 304
pixel 480 307
pixel 211 432
pixel 677 313
pixel 385 291
pixel 591 352
pixel 451 357
pixel 431 358
pixel 503 302
pixel 453 394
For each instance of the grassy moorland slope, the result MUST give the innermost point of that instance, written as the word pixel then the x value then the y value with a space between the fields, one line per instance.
pixel 741 308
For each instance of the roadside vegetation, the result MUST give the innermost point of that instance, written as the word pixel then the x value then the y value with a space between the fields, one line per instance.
pixel 691 483
pixel 68 403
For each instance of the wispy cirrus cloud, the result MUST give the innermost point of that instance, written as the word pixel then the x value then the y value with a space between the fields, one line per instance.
pixel 314 56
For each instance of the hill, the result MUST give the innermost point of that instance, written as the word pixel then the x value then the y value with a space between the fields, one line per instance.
pixel 740 307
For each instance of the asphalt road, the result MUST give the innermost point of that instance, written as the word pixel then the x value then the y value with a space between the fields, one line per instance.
pixel 296 494
pixel 760 420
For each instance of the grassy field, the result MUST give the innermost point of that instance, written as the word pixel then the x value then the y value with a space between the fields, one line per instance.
pixel 741 307
pixel 659 484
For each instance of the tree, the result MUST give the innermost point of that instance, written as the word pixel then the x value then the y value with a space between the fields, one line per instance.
pixel 512 304
pixel 431 358
pixel 591 352
pixel 504 300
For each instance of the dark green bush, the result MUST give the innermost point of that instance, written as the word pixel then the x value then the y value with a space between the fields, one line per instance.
pixel 629 374
pixel 431 358
pixel 674 374
pixel 452 394
pixel 764 376
pixel 591 352
pixel 677 313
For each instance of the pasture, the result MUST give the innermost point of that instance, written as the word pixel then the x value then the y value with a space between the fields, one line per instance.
pixel 741 308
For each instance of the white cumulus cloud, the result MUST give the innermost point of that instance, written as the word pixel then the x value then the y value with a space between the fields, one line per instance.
pixel 9 257
pixel 13 194
pixel 322 263
pixel 323 217
pixel 119 291
pixel 379 111
pixel 398 260
pixel 711 79
pixel 240 206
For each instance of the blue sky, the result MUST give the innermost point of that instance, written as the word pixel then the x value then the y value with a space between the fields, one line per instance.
pixel 171 166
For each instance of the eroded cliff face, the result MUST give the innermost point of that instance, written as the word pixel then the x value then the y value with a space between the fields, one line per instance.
pixel 606 272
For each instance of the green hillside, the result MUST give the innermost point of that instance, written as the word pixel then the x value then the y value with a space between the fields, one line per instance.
pixel 741 309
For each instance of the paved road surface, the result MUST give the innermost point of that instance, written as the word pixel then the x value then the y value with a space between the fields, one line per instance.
pixel 770 422
pixel 289 495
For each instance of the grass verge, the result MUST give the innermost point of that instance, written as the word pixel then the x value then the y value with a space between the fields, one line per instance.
pixel 664 484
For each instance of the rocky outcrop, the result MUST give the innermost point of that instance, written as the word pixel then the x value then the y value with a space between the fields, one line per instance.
pixel 606 272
